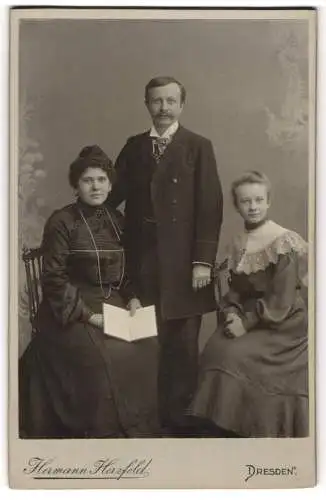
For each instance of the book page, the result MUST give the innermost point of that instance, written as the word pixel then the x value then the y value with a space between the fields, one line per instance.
pixel 116 322
pixel 119 323
pixel 143 323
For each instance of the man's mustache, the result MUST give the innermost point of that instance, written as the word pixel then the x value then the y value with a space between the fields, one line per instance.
pixel 164 115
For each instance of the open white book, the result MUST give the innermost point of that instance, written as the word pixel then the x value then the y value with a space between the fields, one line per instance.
pixel 118 323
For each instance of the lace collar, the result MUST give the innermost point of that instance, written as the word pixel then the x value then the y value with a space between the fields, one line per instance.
pixel 253 251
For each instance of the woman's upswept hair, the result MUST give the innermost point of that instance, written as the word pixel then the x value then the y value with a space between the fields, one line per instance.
pixel 161 81
pixel 251 177
pixel 90 156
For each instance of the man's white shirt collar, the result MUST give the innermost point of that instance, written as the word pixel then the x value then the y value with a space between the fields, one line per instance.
pixel 168 132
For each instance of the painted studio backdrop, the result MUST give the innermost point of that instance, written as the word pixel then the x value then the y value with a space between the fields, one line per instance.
pixel 81 82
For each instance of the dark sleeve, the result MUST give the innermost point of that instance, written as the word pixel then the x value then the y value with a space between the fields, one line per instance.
pixel 231 303
pixel 127 290
pixel 278 301
pixel 208 206
pixel 118 193
pixel 63 297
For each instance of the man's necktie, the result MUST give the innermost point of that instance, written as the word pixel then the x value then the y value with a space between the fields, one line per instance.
pixel 159 146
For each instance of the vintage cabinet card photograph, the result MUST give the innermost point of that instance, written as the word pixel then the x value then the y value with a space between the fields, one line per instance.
pixel 162 248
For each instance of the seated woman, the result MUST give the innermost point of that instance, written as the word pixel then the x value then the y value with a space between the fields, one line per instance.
pixel 76 381
pixel 254 378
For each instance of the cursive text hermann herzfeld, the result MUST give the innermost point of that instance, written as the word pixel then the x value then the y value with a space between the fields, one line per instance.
pixel 103 468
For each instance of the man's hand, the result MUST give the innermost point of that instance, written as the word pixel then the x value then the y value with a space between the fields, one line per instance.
pixel 96 320
pixel 233 326
pixel 201 276
pixel 133 305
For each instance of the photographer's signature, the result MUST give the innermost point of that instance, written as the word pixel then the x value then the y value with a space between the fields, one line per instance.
pixel 103 468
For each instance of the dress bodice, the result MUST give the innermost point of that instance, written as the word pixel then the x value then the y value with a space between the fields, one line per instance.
pixel 95 244
pixel 257 284
pixel 83 261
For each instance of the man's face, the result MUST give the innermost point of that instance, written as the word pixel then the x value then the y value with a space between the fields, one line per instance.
pixel 164 105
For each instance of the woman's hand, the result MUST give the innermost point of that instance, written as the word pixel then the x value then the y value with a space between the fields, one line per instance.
pixel 96 320
pixel 233 326
pixel 133 305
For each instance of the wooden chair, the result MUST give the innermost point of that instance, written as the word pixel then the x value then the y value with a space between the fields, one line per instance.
pixel 32 258
pixel 220 277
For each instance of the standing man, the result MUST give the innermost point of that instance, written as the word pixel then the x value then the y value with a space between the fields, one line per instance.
pixel 168 178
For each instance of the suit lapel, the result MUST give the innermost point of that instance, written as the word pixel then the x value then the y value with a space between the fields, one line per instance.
pixel 170 159
pixel 147 159
pixel 168 167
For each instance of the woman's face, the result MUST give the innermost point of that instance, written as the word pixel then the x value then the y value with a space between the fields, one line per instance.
pixel 93 186
pixel 252 202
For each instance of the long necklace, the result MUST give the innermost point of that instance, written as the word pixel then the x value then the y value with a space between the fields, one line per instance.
pixel 116 230
pixel 118 235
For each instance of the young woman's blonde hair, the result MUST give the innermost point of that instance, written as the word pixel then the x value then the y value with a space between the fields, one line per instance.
pixel 251 177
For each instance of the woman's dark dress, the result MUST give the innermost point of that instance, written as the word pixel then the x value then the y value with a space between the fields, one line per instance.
pixel 256 385
pixel 75 380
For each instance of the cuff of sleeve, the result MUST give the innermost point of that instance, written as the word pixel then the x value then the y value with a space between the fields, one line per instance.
pixel 86 314
pixel 201 263
pixel 127 292
pixel 232 309
pixel 205 252
pixel 271 316
pixel 249 320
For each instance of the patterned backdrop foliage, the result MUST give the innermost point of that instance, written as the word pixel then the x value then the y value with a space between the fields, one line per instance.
pixel 31 221
pixel 288 127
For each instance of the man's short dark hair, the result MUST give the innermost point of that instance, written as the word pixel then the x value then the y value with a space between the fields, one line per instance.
pixel 161 81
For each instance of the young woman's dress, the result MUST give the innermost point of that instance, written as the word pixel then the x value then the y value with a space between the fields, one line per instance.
pixel 76 381
pixel 256 385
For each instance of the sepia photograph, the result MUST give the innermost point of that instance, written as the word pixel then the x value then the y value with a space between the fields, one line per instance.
pixel 162 248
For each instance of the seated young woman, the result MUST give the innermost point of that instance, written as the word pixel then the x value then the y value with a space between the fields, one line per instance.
pixel 254 369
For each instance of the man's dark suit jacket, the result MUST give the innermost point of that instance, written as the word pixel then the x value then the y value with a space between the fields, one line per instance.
pixel 183 194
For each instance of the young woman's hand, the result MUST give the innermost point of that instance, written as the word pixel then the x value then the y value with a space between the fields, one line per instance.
pixel 233 326
pixel 97 320
pixel 133 305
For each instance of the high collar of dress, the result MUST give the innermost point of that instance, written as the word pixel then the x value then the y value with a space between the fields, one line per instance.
pixel 252 226
pixel 254 250
pixel 255 239
pixel 167 133
pixel 89 210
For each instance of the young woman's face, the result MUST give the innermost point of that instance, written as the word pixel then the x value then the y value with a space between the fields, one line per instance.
pixel 93 186
pixel 252 202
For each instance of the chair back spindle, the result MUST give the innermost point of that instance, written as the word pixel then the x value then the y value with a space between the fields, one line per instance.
pixel 32 258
